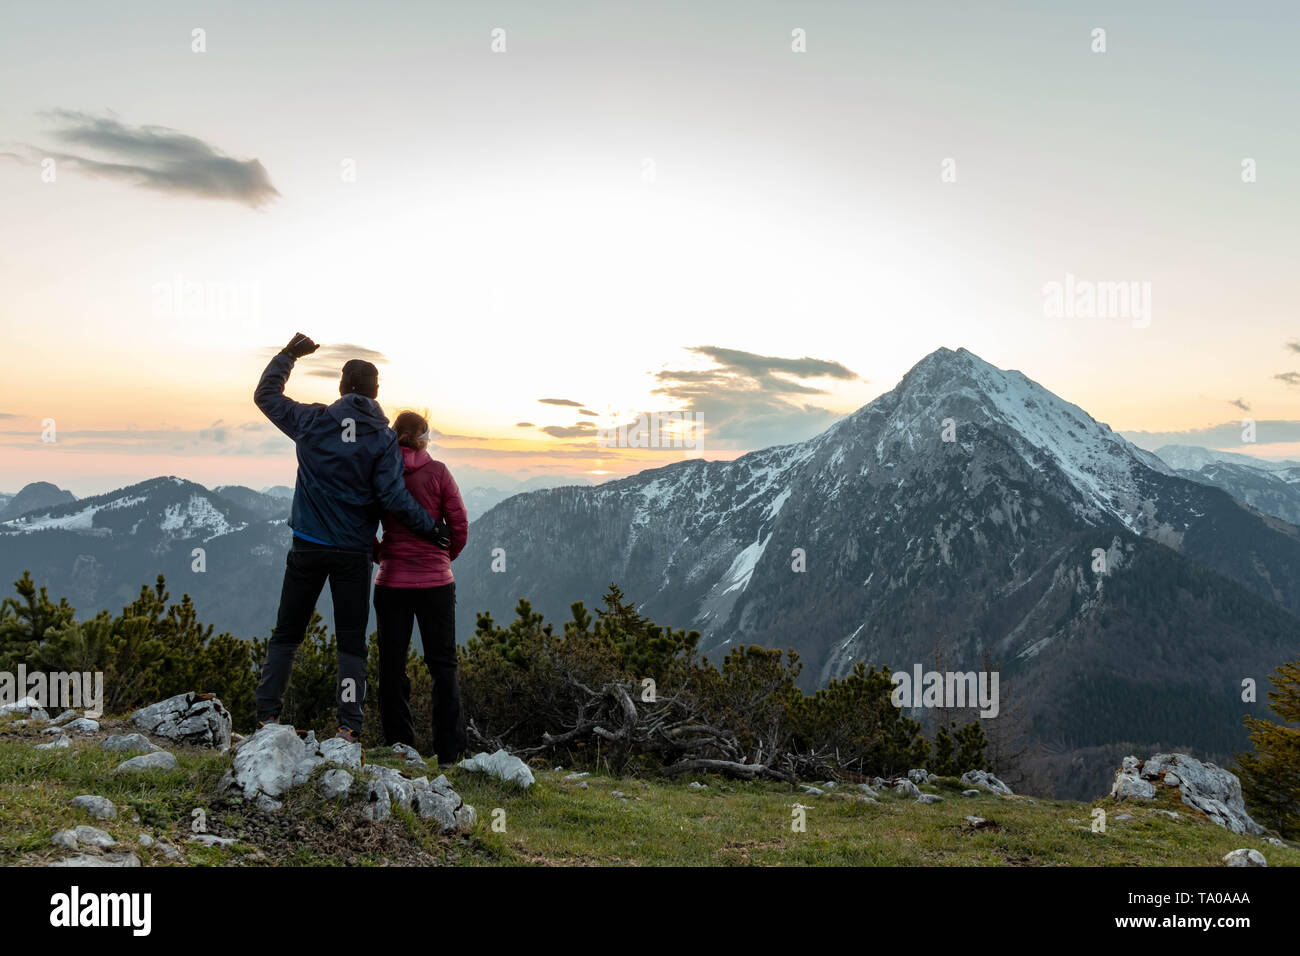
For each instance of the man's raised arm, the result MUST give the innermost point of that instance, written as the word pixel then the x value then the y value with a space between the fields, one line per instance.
pixel 284 412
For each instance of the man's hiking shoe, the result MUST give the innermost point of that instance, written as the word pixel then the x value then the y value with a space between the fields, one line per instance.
pixel 351 736
pixel 266 723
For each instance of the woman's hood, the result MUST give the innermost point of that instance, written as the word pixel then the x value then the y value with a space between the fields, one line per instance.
pixel 414 460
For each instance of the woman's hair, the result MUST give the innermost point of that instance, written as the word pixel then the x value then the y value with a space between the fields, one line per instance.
pixel 412 430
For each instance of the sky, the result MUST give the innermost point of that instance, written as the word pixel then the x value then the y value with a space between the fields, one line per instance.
pixel 543 219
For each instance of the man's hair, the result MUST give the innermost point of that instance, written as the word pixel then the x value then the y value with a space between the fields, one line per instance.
pixel 361 377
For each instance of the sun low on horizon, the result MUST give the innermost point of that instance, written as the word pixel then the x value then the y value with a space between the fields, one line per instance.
pixel 541 239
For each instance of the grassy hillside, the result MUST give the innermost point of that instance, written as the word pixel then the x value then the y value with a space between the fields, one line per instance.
pixel 561 822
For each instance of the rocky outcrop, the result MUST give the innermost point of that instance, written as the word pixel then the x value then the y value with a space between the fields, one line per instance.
pixel 1204 786
pixel 197 719
pixel 983 780
pixel 1244 858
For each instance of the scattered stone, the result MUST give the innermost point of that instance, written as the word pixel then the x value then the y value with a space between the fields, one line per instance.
pixel 64 717
pixel 928 798
pixel 577 776
pixel 61 742
pixel 618 793
pixel 696 785
pixel 970 793
pixel 171 854
pixel 129 743
pixel 1274 841
pixel 984 780
pixel 101 808
pixel 582 785
pixel 814 791
pixel 211 839
pixel 335 784
pixel 867 790
pixel 145 839
pixel 1169 813
pixel 28 707
pixel 465 817
pixel 264 765
pixel 504 766
pixel 1245 858
pixel 82 725
pixel 828 785
pixel 108 859
pixel 197 719
pixel 906 788
pixel 160 760
pixel 65 838
pixel 1122 816
pixel 977 823
pixel 918 776
pixel 867 800
pixel 400 788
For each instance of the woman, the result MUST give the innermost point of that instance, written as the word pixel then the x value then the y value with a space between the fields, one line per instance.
pixel 415 583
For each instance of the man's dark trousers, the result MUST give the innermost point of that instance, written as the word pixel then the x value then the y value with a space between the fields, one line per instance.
pixel 307 568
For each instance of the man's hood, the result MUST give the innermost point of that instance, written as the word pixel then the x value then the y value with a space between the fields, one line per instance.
pixel 414 460
pixel 364 411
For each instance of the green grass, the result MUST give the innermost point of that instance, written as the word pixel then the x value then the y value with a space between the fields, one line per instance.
pixel 557 822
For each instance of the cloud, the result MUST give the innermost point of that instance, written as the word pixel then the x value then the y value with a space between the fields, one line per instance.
pixel 747 400
pixel 588 411
pixel 1227 435
pixel 524 425
pixel 560 401
pixel 1290 378
pixel 158 158
pixel 579 430
pixel 1240 403
pixel 1293 345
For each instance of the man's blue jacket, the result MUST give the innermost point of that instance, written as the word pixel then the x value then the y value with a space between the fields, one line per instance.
pixel 349 464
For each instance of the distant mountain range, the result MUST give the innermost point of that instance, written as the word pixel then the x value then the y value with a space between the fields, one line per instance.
pixel 919 549
pixel 967 516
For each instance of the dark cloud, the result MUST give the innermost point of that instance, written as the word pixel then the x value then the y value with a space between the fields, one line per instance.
pixel 560 401
pixel 747 400
pixel 1240 403
pixel 524 425
pixel 588 411
pixel 1293 345
pixel 159 158
pixel 1290 378
pixel 579 430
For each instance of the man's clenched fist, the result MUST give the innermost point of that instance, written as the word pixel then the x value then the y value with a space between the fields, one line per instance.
pixel 299 346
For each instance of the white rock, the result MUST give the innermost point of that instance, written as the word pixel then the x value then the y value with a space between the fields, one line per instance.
pixel 65 838
pixel 339 751
pixel 378 806
pixel 129 743
pixel 99 807
pixel 61 742
pixel 928 798
pixel 867 790
pixel 145 839
pixel 696 785
pixel 504 766
pixel 211 839
pixel 335 784
pixel 1245 858
pixel 264 764
pixel 465 817
pixel 64 717
pixel 814 791
pixel 400 789
pixel 970 793
pixel 108 859
pixel 918 776
pixel 28 706
pixel 93 836
pixel 160 760
pixel 432 805
pixel 82 725
pixel 1274 841
pixel 906 788
pixel 1129 784
pixel 189 719
pixel 1205 787
pixel 983 780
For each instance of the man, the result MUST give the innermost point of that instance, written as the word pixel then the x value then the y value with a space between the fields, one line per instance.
pixel 349 470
